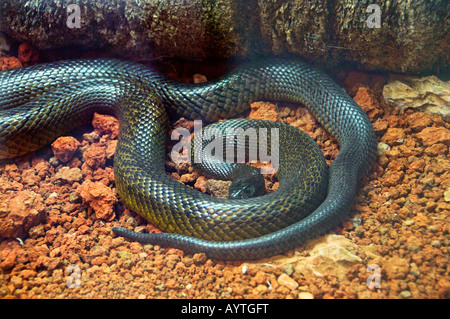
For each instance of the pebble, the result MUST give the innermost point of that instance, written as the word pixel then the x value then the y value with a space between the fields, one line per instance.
pixel 244 269
pixel 405 294
pixel 218 188
pixel 414 270
pixel 74 198
pixel 20 212
pixel 447 195
pixel 199 78
pixel 53 161
pixel 260 289
pixel 432 135
pixel 124 254
pixel 289 269
pixel 286 281
pixel 69 175
pixel 356 221
pixel 396 267
pixel 92 137
pixel 394 136
pixel 408 222
pixel 106 124
pixel 382 148
pixel 100 197
pixel 199 258
pixel 65 147
pixel 435 243
pixel 433 228
pixel 305 295
pixel 95 156
pixel 160 287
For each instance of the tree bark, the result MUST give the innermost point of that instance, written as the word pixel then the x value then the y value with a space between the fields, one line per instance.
pixel 414 36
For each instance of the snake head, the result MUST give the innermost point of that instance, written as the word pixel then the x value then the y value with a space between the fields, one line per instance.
pixel 247 187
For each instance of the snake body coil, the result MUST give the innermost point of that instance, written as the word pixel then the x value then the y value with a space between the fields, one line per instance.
pixel 40 103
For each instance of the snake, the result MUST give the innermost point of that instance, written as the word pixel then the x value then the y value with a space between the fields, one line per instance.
pixel 42 102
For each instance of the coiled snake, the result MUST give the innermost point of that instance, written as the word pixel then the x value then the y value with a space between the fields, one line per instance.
pixel 40 103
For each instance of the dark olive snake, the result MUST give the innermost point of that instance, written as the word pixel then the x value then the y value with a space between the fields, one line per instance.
pixel 40 103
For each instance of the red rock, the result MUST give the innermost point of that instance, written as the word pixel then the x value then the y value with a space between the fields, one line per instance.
pixel 444 288
pixel 36 160
pixel 200 183
pixel 105 175
pixel 436 149
pixel 218 188
pixel 12 171
pixel 29 177
pixel 182 122
pixel 99 260
pixel 393 178
pixel 83 229
pixel 264 111
pixel 69 175
pixel 380 126
pixel 418 121
pixel 433 135
pixel 396 267
pixel 37 231
pixel 65 147
pixel 199 258
pixel 111 146
pixel 100 197
pixel 396 165
pixel 189 178
pixel 365 98
pixel 53 263
pixel 394 136
pixel 25 52
pixel 74 162
pixel 7 185
pixel 43 169
pixel 8 63
pixel 261 277
pixel 8 253
pixel 95 156
pixel 28 273
pixel 416 166
pixel 21 212
pixel 87 171
pixel 106 124
pixel 199 78
pixel 395 121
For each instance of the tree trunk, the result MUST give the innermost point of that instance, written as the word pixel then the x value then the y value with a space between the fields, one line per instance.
pixel 413 36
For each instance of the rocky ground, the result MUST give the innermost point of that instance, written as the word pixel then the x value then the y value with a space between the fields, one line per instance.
pixel 58 206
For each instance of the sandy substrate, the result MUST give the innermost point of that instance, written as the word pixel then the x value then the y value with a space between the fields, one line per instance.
pixel 58 206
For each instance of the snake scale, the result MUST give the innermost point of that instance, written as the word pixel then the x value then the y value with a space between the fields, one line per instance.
pixel 41 102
